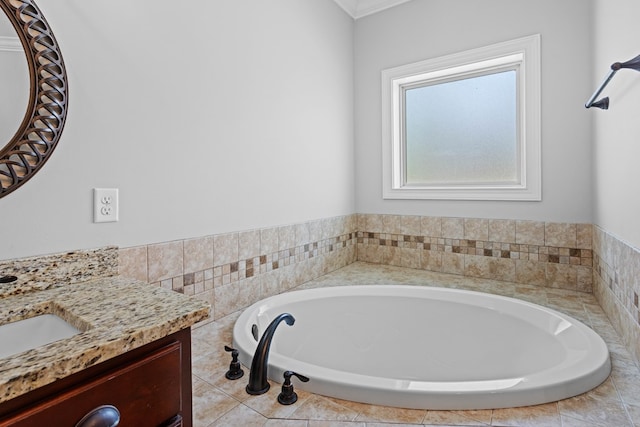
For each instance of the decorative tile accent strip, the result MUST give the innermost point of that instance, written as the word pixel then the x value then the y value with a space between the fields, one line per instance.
pixel 220 275
pixel 557 255
pixel 43 272
pixel 231 271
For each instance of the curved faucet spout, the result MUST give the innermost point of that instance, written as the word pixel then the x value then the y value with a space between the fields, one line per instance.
pixel 258 383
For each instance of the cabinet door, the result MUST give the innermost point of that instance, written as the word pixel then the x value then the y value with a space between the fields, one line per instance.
pixel 146 392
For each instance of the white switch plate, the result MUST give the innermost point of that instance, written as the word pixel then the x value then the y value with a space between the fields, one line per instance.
pixel 105 205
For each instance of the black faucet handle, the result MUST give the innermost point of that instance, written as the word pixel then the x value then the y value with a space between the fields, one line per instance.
pixel 234 352
pixel 289 374
pixel 287 396
pixel 235 371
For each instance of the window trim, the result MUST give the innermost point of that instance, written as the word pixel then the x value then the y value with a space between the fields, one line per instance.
pixel 523 53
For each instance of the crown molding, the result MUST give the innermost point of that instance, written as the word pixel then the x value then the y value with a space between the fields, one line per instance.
pixel 360 8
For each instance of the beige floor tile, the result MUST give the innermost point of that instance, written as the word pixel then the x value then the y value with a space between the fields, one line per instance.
pixel 212 368
pixel 391 415
pixel 627 380
pixel 267 404
pixel 278 422
pixel 324 423
pixel 598 406
pixel 634 413
pixel 209 403
pixel 320 408
pixel 374 424
pixel 530 416
pixel 458 418
pixel 209 337
pixel 573 422
pixel 240 416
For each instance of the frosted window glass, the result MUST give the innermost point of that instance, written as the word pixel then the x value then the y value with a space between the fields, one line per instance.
pixel 463 132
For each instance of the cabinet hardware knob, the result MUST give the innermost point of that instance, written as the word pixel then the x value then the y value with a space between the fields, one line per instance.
pixel 102 416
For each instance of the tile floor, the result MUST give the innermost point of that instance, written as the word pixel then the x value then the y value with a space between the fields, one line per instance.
pixel 220 402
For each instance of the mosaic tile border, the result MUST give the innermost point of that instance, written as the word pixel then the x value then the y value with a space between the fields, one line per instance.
pixel 551 254
pixel 194 283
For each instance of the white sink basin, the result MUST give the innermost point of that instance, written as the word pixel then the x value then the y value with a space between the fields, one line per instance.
pixel 34 332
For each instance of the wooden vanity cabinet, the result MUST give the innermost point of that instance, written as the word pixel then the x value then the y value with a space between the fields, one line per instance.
pixel 150 386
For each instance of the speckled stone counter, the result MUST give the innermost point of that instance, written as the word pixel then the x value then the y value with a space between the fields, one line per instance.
pixel 114 314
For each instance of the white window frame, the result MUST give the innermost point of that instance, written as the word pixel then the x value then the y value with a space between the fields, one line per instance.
pixel 523 55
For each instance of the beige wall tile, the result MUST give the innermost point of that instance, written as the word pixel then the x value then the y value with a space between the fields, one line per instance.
pixel 369 253
pixel 165 260
pixel 431 226
pixel 227 299
pixel 584 279
pixel 453 263
pixel 530 232
pixel 431 260
pixel 476 229
pixel 316 232
pixel 562 276
pixel 249 244
pixel 409 258
pixel 477 266
pixel 502 269
pixel 453 228
pixel 333 226
pixel 560 234
pixel 198 254
pixel 584 236
pixel 302 234
pixel 268 241
pixel 286 237
pixel 225 248
pixel 373 223
pixel 410 225
pixel 132 263
pixel 392 224
pixel 502 230
pixel 531 272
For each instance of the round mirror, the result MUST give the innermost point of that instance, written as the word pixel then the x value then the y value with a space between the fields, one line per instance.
pixel 14 80
pixel 41 126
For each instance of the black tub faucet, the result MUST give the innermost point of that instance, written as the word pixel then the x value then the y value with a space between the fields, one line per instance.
pixel 258 383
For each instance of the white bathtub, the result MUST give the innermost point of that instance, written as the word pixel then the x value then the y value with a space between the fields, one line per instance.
pixel 426 348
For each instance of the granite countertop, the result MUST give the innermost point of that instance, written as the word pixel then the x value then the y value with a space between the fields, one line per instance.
pixel 114 314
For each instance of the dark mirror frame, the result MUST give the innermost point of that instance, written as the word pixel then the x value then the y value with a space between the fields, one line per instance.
pixel 40 130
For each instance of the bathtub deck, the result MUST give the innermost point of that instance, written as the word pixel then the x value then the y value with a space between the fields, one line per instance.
pixel 220 402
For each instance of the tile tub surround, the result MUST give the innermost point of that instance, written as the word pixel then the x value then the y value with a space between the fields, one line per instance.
pixel 616 273
pixel 102 310
pixel 220 402
pixel 231 271
pixel 43 272
pixel 531 252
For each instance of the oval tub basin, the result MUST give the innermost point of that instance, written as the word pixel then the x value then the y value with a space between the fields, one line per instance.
pixel 426 348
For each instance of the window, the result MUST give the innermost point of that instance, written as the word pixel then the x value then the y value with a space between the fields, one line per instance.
pixel 465 126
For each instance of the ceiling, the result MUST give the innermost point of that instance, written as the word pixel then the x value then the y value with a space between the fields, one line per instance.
pixel 359 8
